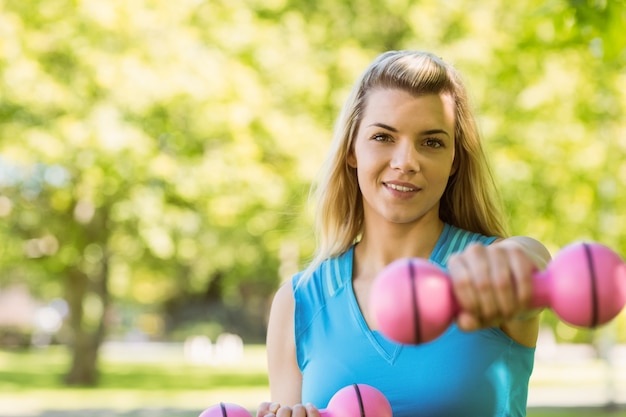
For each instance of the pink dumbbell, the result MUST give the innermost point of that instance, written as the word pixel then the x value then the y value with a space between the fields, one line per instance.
pixel 357 400
pixel 585 284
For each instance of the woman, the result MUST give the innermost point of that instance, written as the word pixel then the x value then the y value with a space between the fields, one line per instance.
pixel 406 176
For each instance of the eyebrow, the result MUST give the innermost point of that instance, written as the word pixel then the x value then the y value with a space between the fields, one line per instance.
pixel 384 126
pixel 426 132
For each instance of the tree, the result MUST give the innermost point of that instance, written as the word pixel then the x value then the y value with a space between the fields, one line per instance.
pixel 152 152
pixel 146 188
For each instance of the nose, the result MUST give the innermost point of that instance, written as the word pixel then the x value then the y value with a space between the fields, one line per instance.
pixel 405 158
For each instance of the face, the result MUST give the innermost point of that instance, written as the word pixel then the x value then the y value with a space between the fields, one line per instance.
pixel 403 153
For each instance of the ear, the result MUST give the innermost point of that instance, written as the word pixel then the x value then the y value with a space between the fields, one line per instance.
pixel 455 166
pixel 351 159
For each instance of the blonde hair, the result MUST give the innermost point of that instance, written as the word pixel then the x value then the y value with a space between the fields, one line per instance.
pixel 470 200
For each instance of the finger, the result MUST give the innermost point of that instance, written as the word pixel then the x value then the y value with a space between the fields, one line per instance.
pixel 522 269
pixel 274 407
pixel 284 411
pixel 298 410
pixel 480 259
pixel 312 411
pixel 462 284
pixel 502 283
pixel 263 409
pixel 468 322
pixel 463 288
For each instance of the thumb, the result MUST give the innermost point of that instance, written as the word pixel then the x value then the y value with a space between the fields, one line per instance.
pixel 467 321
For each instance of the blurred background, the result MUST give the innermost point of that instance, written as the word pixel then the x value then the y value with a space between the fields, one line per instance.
pixel 156 156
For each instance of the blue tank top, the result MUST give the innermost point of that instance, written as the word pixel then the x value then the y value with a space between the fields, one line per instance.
pixel 471 374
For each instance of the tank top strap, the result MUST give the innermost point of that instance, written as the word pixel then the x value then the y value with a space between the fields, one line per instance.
pixel 454 239
pixel 337 272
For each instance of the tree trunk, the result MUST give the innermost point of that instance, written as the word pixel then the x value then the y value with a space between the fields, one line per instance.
pixel 84 369
pixel 87 333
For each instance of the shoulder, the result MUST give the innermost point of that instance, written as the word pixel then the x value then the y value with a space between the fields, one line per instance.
pixel 325 279
pixel 280 329
pixel 284 296
pixel 282 308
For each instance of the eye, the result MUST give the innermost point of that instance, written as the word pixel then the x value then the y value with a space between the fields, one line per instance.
pixel 382 137
pixel 434 143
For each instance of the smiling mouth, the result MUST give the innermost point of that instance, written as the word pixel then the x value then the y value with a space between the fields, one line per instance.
pixel 401 188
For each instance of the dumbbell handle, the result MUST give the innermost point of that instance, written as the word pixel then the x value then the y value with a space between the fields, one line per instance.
pixel 585 284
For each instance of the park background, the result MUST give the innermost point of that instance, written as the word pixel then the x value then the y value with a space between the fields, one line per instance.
pixel 156 157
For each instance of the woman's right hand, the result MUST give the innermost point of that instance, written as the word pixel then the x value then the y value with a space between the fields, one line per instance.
pixel 274 409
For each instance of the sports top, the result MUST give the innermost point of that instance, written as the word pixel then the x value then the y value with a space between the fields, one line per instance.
pixel 482 373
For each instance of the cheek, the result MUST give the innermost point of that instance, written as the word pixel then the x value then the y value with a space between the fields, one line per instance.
pixel 442 166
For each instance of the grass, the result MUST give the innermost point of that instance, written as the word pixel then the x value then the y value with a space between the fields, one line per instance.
pixel 30 384
pixel 139 385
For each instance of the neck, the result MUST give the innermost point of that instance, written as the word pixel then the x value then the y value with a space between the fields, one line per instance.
pixel 380 246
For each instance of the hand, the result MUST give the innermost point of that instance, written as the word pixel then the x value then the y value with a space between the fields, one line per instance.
pixel 274 409
pixel 492 284
pixel 267 409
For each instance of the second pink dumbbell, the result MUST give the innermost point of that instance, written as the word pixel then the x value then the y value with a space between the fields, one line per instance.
pixel 585 284
pixel 356 400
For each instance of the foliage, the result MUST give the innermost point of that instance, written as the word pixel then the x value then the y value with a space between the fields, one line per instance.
pixel 153 151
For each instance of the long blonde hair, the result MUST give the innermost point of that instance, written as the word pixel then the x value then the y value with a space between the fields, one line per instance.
pixel 470 200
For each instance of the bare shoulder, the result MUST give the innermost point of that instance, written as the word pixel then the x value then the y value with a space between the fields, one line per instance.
pixel 281 314
pixel 283 302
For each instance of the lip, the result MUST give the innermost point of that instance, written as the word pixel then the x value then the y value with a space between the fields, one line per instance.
pixel 401 189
